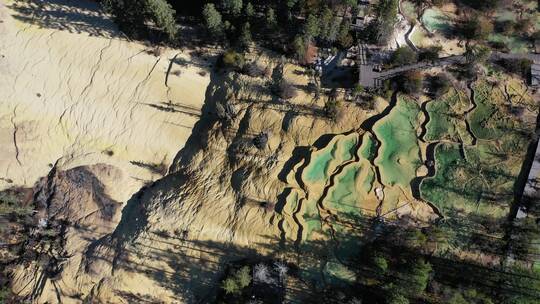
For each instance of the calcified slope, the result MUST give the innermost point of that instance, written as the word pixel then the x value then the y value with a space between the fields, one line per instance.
pixel 215 205
pixel 74 91
pixel 83 98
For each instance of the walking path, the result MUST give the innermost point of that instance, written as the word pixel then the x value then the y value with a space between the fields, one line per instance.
pixel 369 78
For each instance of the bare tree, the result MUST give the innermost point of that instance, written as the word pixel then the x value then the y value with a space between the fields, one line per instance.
pixel 281 269
pixel 261 274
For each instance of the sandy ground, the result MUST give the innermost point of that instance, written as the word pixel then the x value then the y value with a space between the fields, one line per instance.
pixel 66 73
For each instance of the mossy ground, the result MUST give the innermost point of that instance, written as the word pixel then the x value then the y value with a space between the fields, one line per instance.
pixel 477 178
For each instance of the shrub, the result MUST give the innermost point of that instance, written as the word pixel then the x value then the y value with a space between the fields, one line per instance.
pixel 243 277
pixel 505 26
pixel 411 82
pixel 403 55
pixel 520 67
pixel 359 89
pixel 285 90
pixel 476 27
pixel 477 54
pixel 439 84
pixel 232 59
pixel 234 283
pixel 499 45
pixel 253 69
pixel 430 54
pixel 230 286
pixel 5 293
pixel 332 108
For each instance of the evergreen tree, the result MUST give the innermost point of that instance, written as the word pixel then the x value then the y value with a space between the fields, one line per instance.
pixel 249 10
pixel 271 18
pixel 325 23
pixel 245 36
pixel 162 14
pixel 212 19
pixel 418 276
pixel 131 16
pixel 311 27
pixel 299 47
pixel 344 38
pixel 230 286
pixel 233 7
pixel 243 277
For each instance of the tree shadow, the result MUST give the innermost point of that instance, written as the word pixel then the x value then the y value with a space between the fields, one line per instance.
pixel 79 16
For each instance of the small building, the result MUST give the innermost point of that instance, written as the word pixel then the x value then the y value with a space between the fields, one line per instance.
pixel 535 75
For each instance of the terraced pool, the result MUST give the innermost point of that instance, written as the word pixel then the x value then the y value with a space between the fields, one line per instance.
pixel 471 169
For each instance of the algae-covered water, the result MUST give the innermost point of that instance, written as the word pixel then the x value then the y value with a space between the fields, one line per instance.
pixel 436 20
pixel 317 170
pixel 399 154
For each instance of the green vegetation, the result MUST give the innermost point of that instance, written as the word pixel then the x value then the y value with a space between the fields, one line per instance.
pixel 212 19
pixel 237 281
pixel 332 108
pixel 11 203
pixel 132 16
pixel 429 54
pixel 445 121
pixel 380 30
pixel 476 27
pixel 232 59
pixel 480 178
pixel 403 56
pixel 5 292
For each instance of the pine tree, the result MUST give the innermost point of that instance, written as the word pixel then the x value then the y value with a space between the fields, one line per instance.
pixel 212 19
pixel 162 14
pixel 249 10
pixel 271 18
pixel 245 36
pixel 233 7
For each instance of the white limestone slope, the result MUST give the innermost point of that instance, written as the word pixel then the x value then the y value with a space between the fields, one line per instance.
pixel 74 91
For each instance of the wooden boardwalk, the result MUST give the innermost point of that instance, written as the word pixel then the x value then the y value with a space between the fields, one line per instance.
pixel 369 78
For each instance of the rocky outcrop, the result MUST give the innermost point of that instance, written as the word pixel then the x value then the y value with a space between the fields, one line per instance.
pixel 73 208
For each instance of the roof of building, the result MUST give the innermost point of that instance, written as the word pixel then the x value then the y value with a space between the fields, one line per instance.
pixel 535 74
